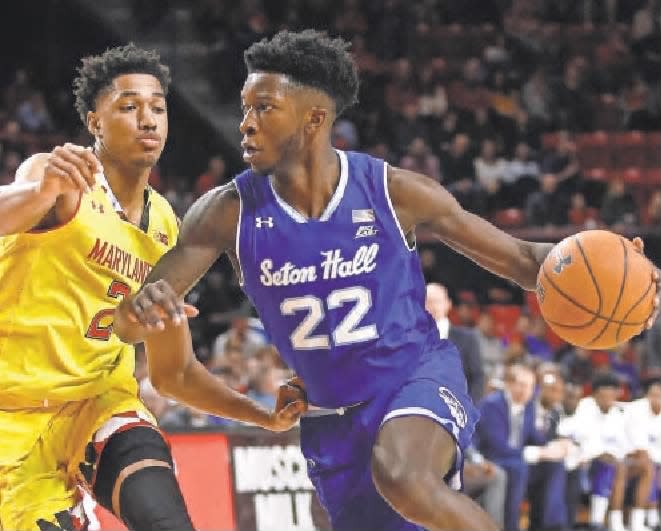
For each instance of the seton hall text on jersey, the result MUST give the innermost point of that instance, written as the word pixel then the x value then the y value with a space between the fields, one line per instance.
pixel 119 261
pixel 332 266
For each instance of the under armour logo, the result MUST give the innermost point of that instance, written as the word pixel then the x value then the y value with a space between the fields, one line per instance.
pixel 560 263
pixel 260 222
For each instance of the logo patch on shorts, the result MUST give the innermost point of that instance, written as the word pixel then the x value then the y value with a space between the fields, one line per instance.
pixel 456 409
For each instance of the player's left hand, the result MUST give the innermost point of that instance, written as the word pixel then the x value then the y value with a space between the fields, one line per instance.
pixel 291 403
pixel 656 275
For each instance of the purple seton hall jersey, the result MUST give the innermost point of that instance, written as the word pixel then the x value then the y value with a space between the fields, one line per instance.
pixel 342 296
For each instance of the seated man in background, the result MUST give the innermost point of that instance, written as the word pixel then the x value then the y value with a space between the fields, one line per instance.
pixel 507 436
pixel 643 427
pixel 604 444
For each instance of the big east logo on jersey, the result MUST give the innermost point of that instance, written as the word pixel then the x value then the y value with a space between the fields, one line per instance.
pixel 333 265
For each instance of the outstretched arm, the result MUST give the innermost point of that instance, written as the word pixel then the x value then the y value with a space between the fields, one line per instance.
pixel 208 229
pixel 418 199
pixel 175 372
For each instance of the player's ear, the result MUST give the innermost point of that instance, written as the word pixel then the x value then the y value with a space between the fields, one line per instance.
pixel 317 117
pixel 93 124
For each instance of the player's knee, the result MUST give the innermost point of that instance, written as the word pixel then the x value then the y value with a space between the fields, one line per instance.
pixel 123 450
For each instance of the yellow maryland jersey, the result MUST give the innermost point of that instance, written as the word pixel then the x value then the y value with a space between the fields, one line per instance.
pixel 58 290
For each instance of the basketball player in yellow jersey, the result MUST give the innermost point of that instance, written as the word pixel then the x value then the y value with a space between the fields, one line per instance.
pixel 78 232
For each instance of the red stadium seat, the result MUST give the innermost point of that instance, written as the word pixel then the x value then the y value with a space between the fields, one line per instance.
pixel 632 176
pixel 654 150
pixel 653 177
pixel 504 317
pixel 629 149
pixel 533 304
pixel 596 174
pixel 509 217
pixel 594 150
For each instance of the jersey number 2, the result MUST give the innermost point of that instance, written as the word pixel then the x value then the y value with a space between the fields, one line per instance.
pixel 345 333
pixel 117 289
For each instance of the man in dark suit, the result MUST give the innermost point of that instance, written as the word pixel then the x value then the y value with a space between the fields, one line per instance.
pixel 508 436
pixel 439 304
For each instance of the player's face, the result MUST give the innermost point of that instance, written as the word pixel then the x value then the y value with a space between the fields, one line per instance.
pixel 271 124
pixel 131 120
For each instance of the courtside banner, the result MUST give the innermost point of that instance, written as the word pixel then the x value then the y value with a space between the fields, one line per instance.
pixel 272 491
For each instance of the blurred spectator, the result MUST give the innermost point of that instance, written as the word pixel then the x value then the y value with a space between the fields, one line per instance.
pixel 580 214
pixel 10 140
pixel 537 97
pixel 604 444
pixel 212 177
pixel 420 159
pixel 522 175
pixel 536 342
pixel 508 437
pixel 638 104
pixel 240 337
pixel 486 482
pixel 438 304
pixel 576 365
pixel 563 163
pixel 651 362
pixel 406 126
pixel 10 163
pixel 264 387
pixel 546 206
pixel 345 135
pixel 491 171
pixel 492 349
pixel 618 207
pixel 459 174
pixel 652 213
pixel 622 362
pixel 33 114
pixel 571 106
pixel 548 479
pixel 643 425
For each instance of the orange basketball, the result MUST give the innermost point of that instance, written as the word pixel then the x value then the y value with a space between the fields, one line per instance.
pixel 595 290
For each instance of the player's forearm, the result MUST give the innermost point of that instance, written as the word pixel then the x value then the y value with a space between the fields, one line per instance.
pixel 197 387
pixel 22 206
pixel 532 257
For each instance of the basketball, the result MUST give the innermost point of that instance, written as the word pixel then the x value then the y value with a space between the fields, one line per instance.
pixel 595 290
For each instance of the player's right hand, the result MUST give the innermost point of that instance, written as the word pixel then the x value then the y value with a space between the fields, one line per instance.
pixel 148 308
pixel 70 168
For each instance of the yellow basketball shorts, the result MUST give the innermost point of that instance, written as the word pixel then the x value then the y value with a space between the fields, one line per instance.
pixel 41 453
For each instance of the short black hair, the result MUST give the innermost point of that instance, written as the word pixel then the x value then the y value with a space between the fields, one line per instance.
pixel 310 58
pixel 605 379
pixel 97 72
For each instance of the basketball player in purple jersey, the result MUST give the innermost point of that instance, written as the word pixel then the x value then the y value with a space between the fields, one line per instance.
pixel 323 243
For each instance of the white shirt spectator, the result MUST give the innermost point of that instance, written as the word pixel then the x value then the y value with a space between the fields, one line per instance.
pixel 600 433
pixel 643 428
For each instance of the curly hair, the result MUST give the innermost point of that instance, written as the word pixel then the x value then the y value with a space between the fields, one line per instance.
pixel 310 58
pixel 97 73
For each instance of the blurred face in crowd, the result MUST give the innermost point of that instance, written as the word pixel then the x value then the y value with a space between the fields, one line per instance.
pixel 552 389
pixel 522 151
pixel 605 397
pixel 485 324
pixel 520 383
pixel 438 302
pixel 654 397
pixel 572 396
pixel 488 150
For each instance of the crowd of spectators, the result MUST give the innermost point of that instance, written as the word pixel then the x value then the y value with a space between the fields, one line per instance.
pixel 529 113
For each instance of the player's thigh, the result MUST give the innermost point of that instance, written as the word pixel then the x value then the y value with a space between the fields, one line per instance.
pixel 37 489
pixel 430 421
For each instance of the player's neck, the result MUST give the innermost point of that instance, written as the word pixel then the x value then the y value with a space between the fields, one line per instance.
pixel 309 182
pixel 128 187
